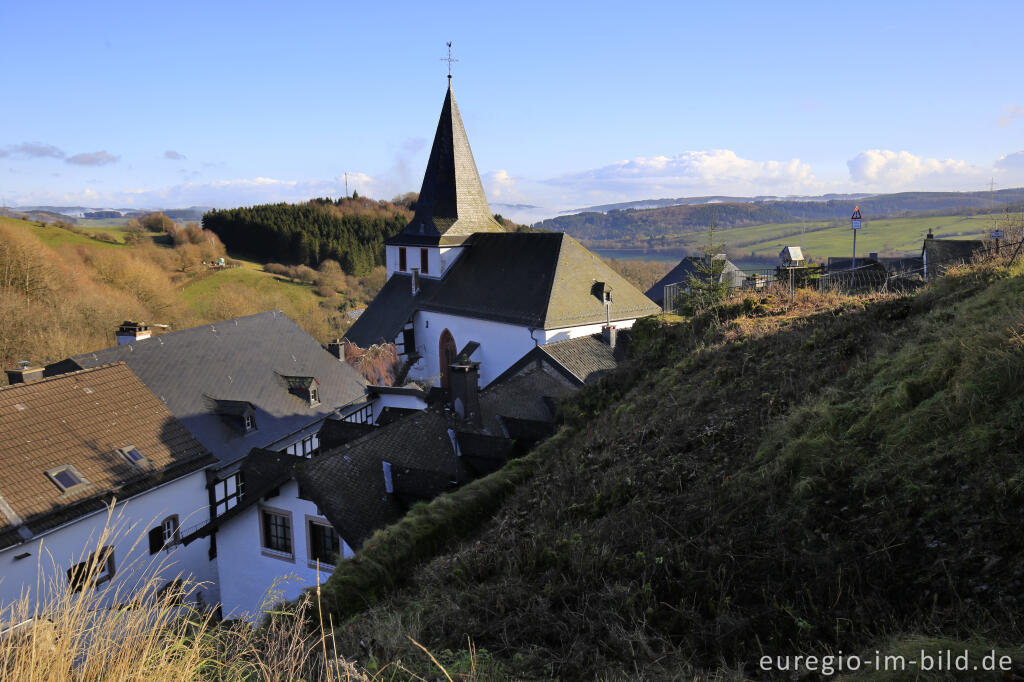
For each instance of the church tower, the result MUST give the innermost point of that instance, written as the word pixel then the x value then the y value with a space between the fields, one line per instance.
pixel 451 206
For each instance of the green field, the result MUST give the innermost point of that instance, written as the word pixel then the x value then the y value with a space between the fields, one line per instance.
pixel 55 236
pixel 200 292
pixel 895 236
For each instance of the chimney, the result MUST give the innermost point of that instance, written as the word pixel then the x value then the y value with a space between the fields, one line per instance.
pixel 336 348
pixel 463 380
pixel 129 332
pixel 25 374
pixel 873 255
pixel 608 334
pixel 415 281
pixel 929 235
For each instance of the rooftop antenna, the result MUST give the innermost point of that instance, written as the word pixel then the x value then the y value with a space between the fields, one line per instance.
pixel 450 60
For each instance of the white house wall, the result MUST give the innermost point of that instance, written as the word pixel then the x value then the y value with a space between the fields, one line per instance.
pixel 406 402
pixel 53 553
pixel 248 573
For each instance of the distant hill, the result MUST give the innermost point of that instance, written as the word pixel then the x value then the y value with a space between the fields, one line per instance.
pixel 699 213
pixel 349 231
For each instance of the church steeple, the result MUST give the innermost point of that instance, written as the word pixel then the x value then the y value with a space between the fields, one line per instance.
pixel 452 204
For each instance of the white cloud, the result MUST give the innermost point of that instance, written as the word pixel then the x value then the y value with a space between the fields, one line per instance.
pixel 100 158
pixel 890 171
pixel 1012 113
pixel 500 186
pixel 713 171
pixel 1013 161
pixel 173 155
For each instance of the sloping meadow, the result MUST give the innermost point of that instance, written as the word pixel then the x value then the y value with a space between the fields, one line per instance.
pixel 768 478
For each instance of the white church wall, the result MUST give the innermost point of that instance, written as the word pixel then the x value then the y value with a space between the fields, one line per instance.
pixel 53 553
pixel 566 333
pixel 501 345
pixel 439 259
pixel 248 571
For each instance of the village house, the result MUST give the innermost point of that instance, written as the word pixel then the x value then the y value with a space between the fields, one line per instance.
pixel 678 278
pixel 455 276
pixel 72 446
pixel 298 516
pixel 258 381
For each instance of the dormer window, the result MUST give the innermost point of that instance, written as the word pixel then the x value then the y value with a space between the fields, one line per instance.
pixel 304 388
pixel 239 414
pixel 67 478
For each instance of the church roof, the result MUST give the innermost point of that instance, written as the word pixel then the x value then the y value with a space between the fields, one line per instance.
pixel 452 204
pixel 542 280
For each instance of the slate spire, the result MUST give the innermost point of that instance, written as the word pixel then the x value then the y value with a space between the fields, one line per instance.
pixel 452 204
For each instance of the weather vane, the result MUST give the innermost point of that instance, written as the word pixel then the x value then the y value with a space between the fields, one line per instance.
pixel 449 60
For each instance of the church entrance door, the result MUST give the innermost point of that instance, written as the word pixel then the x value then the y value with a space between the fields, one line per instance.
pixel 446 353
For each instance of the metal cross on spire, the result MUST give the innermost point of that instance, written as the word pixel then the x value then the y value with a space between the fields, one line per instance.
pixel 449 59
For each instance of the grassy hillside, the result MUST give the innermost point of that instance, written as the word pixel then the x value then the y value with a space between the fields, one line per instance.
pixel 63 292
pixel 767 478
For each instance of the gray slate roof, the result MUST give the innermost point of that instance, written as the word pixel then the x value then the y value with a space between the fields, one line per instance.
pixel 243 361
pixel 688 267
pixel 544 280
pixel 347 482
pixel 452 204
pixel 586 357
pixel 393 306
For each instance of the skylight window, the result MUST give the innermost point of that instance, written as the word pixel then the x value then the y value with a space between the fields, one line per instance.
pixel 66 478
pixel 133 456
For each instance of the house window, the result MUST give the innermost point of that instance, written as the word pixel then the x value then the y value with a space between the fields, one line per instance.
pixel 401 258
pixel 424 262
pixel 324 543
pixel 166 534
pixel 171 529
pixel 314 396
pixel 276 531
pixel 408 341
pixel 364 415
pixel 227 493
pixel 94 571
pixel 249 422
pixel 66 478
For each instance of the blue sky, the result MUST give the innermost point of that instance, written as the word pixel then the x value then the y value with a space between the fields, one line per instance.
pixel 567 105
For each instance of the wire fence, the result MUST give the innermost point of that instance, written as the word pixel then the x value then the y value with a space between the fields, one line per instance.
pixel 874 275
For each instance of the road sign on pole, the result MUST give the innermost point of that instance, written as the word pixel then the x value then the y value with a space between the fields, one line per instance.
pixel 855 225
